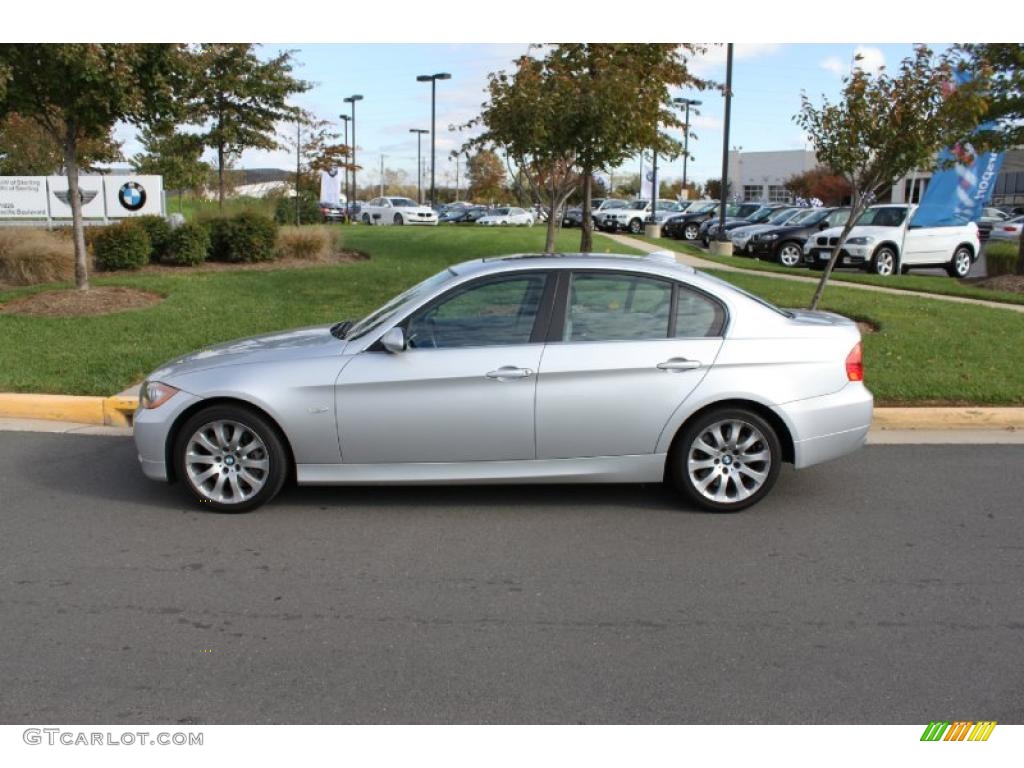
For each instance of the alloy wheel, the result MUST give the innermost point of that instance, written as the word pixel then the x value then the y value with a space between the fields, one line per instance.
pixel 226 462
pixel 729 461
pixel 790 255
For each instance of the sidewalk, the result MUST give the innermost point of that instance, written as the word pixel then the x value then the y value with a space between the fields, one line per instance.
pixel 699 263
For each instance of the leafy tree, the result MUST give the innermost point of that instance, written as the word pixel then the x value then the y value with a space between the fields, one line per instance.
pixel 820 183
pixel 28 149
pixel 240 99
pixel 1002 66
pixel 78 91
pixel 885 126
pixel 175 156
pixel 315 146
pixel 486 175
pixel 616 103
pixel 713 189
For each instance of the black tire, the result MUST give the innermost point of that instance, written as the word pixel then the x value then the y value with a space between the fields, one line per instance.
pixel 398 220
pixel 273 447
pixel 884 261
pixel 366 218
pixel 636 227
pixel 960 264
pixel 784 254
pixel 691 231
pixel 686 445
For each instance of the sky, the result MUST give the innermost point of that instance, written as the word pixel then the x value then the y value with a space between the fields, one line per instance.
pixel 767 83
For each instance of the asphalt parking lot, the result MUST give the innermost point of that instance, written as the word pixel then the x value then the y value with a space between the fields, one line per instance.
pixel 887 588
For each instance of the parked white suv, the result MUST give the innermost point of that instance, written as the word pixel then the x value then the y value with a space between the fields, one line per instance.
pixel 885 238
pixel 636 213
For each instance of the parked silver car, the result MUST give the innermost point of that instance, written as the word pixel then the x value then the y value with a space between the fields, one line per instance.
pixel 521 369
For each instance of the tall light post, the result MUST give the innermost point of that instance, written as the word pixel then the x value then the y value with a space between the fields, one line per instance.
pixel 348 197
pixel 419 164
pixel 352 100
pixel 725 152
pixel 687 103
pixel 432 79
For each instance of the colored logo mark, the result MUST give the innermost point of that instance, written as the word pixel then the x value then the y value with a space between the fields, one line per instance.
pixel 132 195
pixel 959 730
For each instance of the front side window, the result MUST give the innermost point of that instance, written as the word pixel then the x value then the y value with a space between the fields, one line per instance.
pixel 617 308
pixel 498 312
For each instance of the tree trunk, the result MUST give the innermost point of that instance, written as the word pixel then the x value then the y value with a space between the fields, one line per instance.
pixel 549 240
pixel 1020 253
pixel 75 199
pixel 587 225
pixel 855 213
pixel 220 177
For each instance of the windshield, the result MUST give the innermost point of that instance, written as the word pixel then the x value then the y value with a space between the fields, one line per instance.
pixel 607 205
pixel 882 217
pixel 668 205
pixel 704 208
pixel 807 217
pixel 781 217
pixel 636 205
pixel 402 202
pixel 378 317
pixel 762 215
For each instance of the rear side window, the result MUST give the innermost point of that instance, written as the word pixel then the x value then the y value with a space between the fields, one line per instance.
pixel 697 316
pixel 617 308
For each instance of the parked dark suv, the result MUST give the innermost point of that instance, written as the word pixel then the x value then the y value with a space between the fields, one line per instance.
pixel 686 226
pixel 785 243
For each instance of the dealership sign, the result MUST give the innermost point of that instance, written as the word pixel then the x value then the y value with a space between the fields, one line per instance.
pixel 103 197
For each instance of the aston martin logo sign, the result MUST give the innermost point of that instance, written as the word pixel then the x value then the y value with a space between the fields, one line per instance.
pixel 86 195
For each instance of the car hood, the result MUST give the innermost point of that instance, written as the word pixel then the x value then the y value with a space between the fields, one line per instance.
pixel 751 229
pixel 300 343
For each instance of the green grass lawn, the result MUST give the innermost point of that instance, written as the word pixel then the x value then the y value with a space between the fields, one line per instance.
pixel 924 351
pixel 942 285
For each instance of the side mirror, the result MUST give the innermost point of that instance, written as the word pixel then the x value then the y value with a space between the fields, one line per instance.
pixel 394 340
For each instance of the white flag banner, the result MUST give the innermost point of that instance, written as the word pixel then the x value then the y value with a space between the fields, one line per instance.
pixel 330 186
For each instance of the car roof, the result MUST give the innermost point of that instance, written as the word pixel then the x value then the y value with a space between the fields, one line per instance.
pixel 661 263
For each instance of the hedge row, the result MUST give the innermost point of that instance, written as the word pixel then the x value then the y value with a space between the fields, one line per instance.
pixel 244 237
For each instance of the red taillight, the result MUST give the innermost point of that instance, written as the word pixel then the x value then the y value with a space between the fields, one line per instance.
pixel 855 364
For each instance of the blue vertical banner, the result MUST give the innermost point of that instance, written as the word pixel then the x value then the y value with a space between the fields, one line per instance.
pixel 957 193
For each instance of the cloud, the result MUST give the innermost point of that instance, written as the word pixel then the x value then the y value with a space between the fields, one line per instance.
pixel 714 58
pixel 872 60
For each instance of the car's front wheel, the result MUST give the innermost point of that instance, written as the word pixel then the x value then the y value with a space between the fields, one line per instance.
pixel 691 231
pixel 960 264
pixel 884 261
pixel 636 227
pixel 230 458
pixel 366 218
pixel 398 220
pixel 726 460
pixel 790 254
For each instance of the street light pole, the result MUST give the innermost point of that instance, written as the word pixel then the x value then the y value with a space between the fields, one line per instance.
pixel 687 103
pixel 432 79
pixel 725 144
pixel 352 100
pixel 348 197
pixel 419 163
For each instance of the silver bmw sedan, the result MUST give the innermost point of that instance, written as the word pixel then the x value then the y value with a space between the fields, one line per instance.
pixel 572 368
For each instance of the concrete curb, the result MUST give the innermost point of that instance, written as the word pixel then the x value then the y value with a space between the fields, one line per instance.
pixel 117 411
pixel 113 411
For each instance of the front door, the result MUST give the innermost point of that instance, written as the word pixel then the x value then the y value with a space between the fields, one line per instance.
pixel 462 391
pixel 632 349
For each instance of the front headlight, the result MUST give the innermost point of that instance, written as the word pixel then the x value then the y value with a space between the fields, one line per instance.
pixel 153 394
pixel 769 236
pixel 860 241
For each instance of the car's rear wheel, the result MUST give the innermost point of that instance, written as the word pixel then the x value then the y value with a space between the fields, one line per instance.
pixel 366 218
pixel 230 458
pixel 398 219
pixel 960 264
pixel 726 460
pixel 636 227
pixel 790 254
pixel 691 231
pixel 884 261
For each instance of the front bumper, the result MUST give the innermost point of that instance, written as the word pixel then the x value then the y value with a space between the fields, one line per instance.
pixel 827 427
pixel 151 429
pixel 849 256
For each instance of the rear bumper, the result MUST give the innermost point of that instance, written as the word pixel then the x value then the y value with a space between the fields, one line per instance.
pixel 825 428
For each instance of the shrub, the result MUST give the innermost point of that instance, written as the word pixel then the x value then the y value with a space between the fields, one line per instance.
pixel 1001 258
pixel 122 246
pixel 309 210
pixel 187 245
pixel 243 237
pixel 159 231
pixel 310 243
pixel 33 256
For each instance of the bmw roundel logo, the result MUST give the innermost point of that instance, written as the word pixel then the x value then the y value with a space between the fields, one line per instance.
pixel 132 195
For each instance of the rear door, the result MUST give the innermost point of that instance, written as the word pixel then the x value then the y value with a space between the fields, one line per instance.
pixel 624 351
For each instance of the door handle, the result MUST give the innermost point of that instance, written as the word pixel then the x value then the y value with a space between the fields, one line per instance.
pixel 507 372
pixel 679 364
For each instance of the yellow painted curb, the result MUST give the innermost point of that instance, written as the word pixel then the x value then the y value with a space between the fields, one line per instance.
pixel 108 411
pixel 948 418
